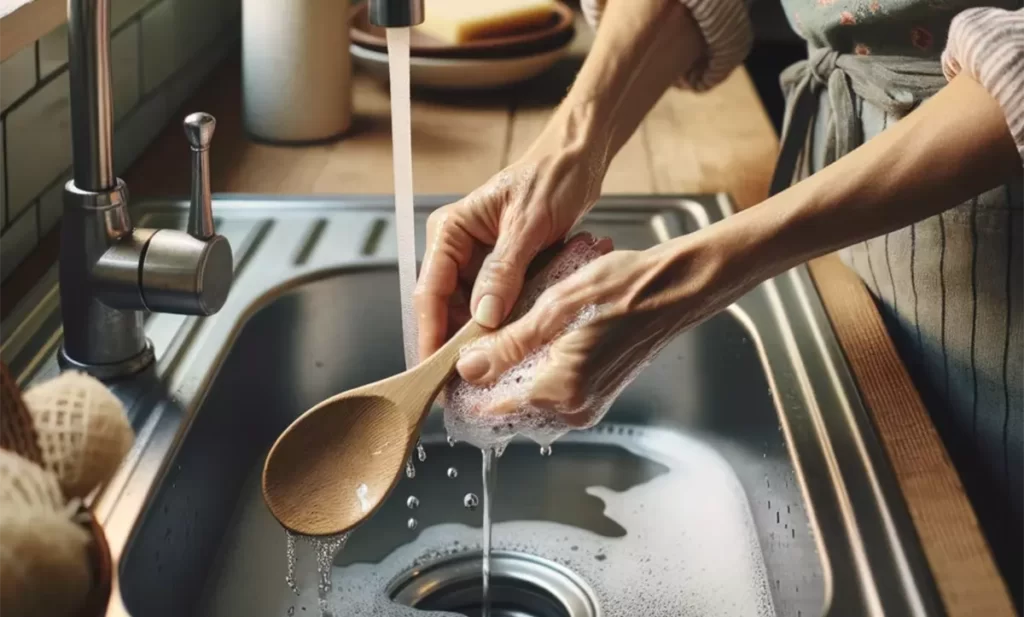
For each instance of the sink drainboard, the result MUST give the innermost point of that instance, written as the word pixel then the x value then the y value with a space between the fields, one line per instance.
pixel 521 586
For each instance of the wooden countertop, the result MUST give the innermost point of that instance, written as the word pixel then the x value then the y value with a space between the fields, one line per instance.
pixel 689 143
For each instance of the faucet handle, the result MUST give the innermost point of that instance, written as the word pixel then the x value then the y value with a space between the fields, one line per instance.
pixel 199 129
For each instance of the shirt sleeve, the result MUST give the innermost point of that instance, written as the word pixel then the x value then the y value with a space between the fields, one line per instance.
pixel 988 45
pixel 727 32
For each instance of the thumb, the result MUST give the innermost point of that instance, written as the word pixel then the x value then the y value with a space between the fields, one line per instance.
pixel 501 279
pixel 495 354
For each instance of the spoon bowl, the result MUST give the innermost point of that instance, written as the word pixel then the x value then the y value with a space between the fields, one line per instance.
pixel 327 489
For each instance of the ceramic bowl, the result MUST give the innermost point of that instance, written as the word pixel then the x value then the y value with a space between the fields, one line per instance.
pixel 462 73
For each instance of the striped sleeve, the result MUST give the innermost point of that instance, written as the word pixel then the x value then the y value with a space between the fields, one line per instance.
pixel 727 32
pixel 988 45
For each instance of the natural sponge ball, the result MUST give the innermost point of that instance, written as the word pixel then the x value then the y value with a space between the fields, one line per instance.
pixel 82 428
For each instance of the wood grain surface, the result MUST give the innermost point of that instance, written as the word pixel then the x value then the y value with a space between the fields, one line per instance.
pixel 717 141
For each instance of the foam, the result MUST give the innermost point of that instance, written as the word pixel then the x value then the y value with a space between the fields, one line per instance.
pixel 470 409
pixel 690 548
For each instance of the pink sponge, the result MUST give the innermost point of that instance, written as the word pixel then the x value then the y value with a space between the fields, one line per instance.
pixel 471 412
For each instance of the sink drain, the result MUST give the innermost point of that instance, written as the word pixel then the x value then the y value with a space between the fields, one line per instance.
pixel 521 586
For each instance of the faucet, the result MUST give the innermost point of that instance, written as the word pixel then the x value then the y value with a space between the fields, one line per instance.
pixel 111 272
pixel 396 13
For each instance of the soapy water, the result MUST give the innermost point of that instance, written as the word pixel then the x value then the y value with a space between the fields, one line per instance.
pixel 469 409
pixel 690 546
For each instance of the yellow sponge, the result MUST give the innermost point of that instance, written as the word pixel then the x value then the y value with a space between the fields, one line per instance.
pixel 459 21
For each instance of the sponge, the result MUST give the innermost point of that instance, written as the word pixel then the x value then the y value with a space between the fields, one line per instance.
pixel 460 21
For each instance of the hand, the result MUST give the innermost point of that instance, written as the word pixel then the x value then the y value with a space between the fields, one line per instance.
pixel 631 304
pixel 487 240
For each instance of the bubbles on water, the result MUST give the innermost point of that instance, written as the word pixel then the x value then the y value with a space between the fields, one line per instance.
pixel 290 554
pixel 545 450
pixel 412 502
pixel 412 523
pixel 471 501
pixel 410 469
pixel 421 452
pixel 453 473
pixel 451 441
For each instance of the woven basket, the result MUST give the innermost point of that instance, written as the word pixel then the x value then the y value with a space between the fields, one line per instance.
pixel 17 430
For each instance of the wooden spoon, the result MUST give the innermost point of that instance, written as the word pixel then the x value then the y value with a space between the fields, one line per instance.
pixel 335 465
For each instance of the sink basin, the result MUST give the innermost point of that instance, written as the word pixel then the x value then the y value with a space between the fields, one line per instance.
pixel 738 475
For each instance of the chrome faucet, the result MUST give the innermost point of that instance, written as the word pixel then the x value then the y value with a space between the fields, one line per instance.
pixel 110 270
pixel 396 13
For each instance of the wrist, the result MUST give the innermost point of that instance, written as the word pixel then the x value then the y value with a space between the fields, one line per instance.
pixel 577 133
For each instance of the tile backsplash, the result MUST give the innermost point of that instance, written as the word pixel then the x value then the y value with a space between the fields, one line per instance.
pixel 160 52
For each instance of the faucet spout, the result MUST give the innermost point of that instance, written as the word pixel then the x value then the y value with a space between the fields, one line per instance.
pixel 396 13
pixel 92 124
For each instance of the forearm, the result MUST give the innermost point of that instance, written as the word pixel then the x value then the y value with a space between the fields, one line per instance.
pixel 955 146
pixel 640 48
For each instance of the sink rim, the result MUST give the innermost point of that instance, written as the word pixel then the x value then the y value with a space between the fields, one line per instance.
pixel 859 502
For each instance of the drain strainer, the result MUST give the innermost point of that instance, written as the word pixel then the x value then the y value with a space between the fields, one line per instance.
pixel 521 586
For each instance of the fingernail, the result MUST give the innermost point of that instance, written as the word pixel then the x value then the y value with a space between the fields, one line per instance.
pixel 490 311
pixel 473 365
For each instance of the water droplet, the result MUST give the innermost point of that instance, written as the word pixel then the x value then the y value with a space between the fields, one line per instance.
pixel 600 557
pixel 453 473
pixel 410 469
pixel 545 450
pixel 471 501
pixel 291 611
pixel 412 502
pixel 421 452
pixel 412 523
pixel 451 441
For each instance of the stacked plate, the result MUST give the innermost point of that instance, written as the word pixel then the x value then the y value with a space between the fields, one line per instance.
pixel 472 65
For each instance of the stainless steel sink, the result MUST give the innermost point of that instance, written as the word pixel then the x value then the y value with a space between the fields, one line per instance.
pixel 739 475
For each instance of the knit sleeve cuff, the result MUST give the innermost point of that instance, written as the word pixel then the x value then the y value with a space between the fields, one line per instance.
pixel 725 25
pixel 988 45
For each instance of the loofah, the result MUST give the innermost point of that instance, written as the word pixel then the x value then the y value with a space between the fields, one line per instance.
pixel 82 428
pixel 44 563
pixel 25 486
pixel 17 428
pixel 469 409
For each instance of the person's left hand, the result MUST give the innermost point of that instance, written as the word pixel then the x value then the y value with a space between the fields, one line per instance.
pixel 642 298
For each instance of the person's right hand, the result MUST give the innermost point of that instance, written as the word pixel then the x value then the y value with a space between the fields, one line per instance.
pixel 485 241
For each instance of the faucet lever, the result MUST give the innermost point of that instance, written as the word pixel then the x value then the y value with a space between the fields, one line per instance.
pixel 199 129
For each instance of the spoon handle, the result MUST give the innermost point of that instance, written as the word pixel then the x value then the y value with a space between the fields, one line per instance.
pixel 441 365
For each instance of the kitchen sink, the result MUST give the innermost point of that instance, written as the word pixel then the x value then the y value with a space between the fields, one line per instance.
pixel 739 475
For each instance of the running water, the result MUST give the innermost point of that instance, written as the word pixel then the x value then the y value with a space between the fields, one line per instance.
pixel 326 550
pixel 489 483
pixel 405 221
